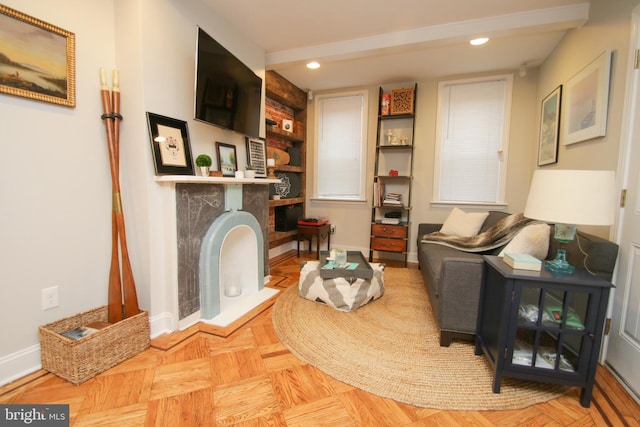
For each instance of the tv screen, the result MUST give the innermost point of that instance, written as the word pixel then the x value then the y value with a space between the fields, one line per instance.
pixel 228 93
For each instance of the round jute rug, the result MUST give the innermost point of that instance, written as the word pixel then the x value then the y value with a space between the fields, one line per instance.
pixel 390 348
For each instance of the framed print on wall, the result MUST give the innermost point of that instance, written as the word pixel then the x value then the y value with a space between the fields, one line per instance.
pixel 40 61
pixel 257 156
pixel 586 101
pixel 550 128
pixel 227 159
pixel 170 145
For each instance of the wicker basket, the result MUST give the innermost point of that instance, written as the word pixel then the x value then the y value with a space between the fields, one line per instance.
pixel 79 360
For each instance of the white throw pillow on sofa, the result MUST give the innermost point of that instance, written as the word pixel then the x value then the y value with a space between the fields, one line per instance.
pixel 463 224
pixel 532 239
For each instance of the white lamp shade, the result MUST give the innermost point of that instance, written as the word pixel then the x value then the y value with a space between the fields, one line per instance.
pixel 577 197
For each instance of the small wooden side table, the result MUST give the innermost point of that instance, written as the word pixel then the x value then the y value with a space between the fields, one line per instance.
pixel 306 232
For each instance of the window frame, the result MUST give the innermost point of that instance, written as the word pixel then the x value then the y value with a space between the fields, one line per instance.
pixel 362 196
pixel 502 152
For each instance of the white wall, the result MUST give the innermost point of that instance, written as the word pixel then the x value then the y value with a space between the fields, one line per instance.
pixel 55 214
pixel 56 193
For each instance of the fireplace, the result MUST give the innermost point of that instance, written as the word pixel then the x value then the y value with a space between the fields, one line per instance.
pixel 231 269
pixel 222 239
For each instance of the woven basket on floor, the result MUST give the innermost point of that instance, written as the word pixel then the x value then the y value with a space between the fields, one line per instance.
pixel 79 360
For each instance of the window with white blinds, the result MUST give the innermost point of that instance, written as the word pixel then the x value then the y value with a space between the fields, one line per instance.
pixel 472 140
pixel 340 146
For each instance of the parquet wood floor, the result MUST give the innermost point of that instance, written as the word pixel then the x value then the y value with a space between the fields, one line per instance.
pixel 250 379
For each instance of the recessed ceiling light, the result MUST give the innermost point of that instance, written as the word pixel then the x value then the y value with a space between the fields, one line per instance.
pixel 479 41
pixel 313 65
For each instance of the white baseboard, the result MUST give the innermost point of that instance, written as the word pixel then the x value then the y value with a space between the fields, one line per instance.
pixel 16 365
pixel 161 324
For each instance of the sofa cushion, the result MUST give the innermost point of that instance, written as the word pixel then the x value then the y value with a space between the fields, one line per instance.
pixel 463 224
pixel 532 239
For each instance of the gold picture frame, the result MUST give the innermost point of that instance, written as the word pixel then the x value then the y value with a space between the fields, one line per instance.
pixel 42 59
pixel 402 101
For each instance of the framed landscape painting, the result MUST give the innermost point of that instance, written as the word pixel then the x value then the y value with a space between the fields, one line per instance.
pixel 550 128
pixel 227 160
pixel 38 59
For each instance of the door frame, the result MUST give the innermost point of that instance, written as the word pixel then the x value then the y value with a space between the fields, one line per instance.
pixel 624 175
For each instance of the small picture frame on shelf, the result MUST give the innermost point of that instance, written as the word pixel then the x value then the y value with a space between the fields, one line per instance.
pixel 287 125
pixel 227 159
pixel 257 156
pixel 402 101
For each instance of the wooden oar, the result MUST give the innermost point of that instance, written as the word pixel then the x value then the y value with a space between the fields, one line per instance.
pixel 128 283
pixel 114 307
pixel 112 118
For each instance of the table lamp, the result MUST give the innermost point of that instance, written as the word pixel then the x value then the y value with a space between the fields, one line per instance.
pixel 568 198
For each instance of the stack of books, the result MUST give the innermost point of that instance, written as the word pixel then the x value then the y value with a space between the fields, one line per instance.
pixel 392 199
pixel 391 221
pixel 392 217
pixel 522 262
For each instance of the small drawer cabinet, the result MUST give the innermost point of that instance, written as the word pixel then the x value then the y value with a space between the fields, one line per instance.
pixel 391 238
pixel 536 326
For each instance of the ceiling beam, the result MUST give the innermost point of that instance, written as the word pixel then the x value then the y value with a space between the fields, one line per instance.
pixel 534 21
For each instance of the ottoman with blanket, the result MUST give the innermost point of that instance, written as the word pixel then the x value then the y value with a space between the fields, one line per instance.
pixel 450 259
pixel 344 294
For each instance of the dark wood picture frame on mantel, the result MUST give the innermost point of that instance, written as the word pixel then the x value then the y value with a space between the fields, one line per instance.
pixel 227 158
pixel 170 145
pixel 257 156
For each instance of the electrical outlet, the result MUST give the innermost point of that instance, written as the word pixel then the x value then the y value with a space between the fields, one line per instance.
pixel 333 229
pixel 50 298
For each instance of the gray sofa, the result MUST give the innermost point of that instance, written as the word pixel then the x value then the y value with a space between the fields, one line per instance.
pixel 453 277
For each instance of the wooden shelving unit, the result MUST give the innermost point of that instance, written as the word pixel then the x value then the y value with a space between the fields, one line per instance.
pixel 394 151
pixel 286 101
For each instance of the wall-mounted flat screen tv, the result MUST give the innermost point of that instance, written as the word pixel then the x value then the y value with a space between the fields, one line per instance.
pixel 227 92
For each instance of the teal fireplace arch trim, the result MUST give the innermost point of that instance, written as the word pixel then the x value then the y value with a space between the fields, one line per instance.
pixel 210 252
